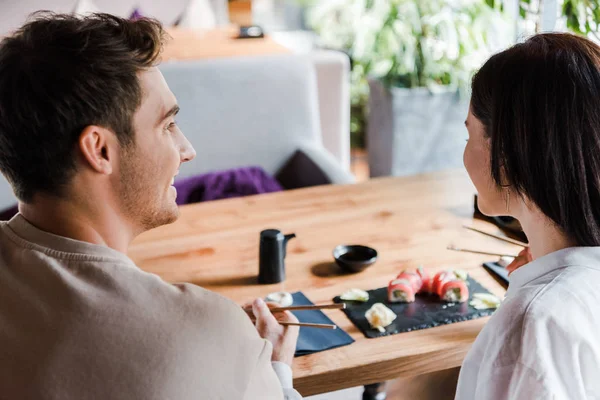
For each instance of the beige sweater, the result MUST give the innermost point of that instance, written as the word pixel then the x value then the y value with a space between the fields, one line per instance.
pixel 81 321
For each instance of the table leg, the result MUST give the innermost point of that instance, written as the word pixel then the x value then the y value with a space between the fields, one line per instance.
pixel 376 391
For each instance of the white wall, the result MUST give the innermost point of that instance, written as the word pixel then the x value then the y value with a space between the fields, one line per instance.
pixel 13 13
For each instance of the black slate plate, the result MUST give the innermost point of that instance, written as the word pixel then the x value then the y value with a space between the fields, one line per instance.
pixel 499 272
pixel 426 312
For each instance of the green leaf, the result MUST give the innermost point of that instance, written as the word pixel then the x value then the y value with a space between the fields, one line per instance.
pixel 567 8
pixel 596 15
pixel 522 12
pixel 573 23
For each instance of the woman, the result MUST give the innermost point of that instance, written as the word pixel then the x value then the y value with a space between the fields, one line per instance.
pixel 534 153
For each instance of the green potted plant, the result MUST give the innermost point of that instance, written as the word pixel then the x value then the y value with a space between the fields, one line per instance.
pixel 413 57
pixel 577 16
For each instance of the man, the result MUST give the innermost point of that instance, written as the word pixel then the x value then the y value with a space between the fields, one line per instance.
pixel 89 143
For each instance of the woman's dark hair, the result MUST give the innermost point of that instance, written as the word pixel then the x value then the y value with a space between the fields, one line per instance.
pixel 539 102
pixel 58 74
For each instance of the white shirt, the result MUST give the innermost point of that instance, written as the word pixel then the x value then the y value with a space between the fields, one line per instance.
pixel 544 340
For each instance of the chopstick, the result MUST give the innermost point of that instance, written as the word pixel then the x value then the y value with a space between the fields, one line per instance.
pixel 305 324
pixel 488 253
pixel 308 325
pixel 340 306
pixel 505 239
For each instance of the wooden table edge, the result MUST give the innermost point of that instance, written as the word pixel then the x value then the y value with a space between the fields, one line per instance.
pixel 381 371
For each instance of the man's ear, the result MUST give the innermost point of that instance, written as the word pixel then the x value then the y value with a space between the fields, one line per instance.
pixel 97 147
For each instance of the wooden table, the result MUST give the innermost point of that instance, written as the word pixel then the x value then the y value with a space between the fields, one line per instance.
pixel 410 221
pixel 186 44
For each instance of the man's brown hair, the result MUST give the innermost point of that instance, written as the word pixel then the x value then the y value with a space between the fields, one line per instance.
pixel 58 74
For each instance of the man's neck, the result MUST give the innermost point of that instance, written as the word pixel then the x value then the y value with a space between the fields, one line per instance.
pixel 94 224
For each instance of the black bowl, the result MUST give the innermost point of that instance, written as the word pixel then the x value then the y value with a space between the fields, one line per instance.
pixel 354 258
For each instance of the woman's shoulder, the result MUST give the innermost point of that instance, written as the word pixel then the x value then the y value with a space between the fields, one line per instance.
pixel 571 295
pixel 560 325
pixel 563 314
pixel 560 308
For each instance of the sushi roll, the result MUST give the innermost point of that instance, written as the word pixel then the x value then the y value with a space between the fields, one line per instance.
pixel 439 279
pixel 454 291
pixel 414 279
pixel 401 291
pixel 427 282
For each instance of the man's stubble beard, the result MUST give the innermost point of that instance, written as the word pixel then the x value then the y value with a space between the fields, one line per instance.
pixel 141 200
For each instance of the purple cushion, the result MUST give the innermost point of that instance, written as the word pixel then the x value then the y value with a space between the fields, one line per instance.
pixel 237 182
pixel 7 214
pixel 212 186
pixel 136 14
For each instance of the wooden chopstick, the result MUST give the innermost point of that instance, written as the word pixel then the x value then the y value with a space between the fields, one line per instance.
pixel 505 239
pixel 305 324
pixel 488 253
pixel 339 306
pixel 308 325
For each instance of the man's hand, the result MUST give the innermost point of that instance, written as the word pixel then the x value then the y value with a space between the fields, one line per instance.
pixel 283 338
pixel 523 258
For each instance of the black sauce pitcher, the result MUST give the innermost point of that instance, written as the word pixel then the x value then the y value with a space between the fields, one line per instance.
pixel 272 253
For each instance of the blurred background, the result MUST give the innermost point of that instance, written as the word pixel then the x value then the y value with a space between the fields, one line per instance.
pixel 395 105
